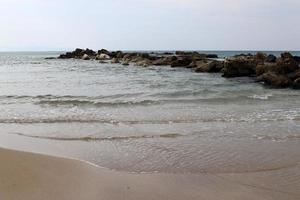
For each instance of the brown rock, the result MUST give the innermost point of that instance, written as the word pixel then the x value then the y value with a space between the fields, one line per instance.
pixel 182 62
pixel 239 66
pixel 209 66
pixel 85 57
pixel 275 80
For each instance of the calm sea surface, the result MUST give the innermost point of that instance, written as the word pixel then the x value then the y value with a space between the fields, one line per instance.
pixel 146 119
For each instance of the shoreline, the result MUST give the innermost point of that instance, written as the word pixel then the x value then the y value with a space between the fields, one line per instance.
pixel 34 176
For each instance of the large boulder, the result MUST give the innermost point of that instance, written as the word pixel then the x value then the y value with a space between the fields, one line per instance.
pixel 264 68
pixel 90 52
pixel 209 66
pixel 103 51
pixel 78 53
pixel 85 57
pixel 260 57
pixel 239 66
pixel 102 56
pixel 271 58
pixel 181 62
pixel 286 64
pixel 275 80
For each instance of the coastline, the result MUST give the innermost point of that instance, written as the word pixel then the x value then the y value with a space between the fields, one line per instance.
pixel 34 176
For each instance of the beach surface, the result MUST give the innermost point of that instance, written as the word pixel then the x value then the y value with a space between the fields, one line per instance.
pixel 30 176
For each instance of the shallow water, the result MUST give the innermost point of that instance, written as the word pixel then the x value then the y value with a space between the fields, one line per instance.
pixel 146 119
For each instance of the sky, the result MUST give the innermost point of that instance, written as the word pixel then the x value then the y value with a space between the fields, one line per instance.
pixel 35 25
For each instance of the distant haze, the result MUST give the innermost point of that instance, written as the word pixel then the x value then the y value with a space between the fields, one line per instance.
pixel 150 24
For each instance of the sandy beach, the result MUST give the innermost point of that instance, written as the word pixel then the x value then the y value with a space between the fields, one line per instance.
pixel 30 176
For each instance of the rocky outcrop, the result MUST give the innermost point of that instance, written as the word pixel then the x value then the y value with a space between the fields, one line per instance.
pixel 276 72
pixel 78 54
pixel 282 73
pixel 239 66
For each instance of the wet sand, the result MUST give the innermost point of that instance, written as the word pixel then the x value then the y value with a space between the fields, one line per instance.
pixel 30 176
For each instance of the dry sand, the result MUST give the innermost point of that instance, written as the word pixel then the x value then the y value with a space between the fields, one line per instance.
pixel 27 176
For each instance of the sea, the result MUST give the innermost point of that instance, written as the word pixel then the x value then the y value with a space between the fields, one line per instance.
pixel 146 120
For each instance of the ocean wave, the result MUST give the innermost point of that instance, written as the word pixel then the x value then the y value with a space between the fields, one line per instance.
pixel 112 138
pixel 261 96
pixel 276 138
pixel 85 119
pixel 130 99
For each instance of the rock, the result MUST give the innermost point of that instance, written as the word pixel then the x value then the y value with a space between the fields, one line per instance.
pixel 239 66
pixel 210 67
pixel 264 68
pixel 286 64
pixel 271 58
pixel 129 56
pixel 295 75
pixel 90 52
pixel 103 51
pixel 120 54
pixel 78 53
pixel 67 55
pixel 260 57
pixel 50 58
pixel 275 80
pixel 296 83
pixel 116 54
pixel 181 62
pixel 164 60
pixel 102 57
pixel 85 57
pixel 143 63
pixel 286 55
pixel 115 61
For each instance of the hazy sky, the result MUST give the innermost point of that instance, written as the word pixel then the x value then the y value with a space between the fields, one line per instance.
pixel 150 24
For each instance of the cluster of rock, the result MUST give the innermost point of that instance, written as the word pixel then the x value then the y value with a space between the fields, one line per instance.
pixel 277 72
